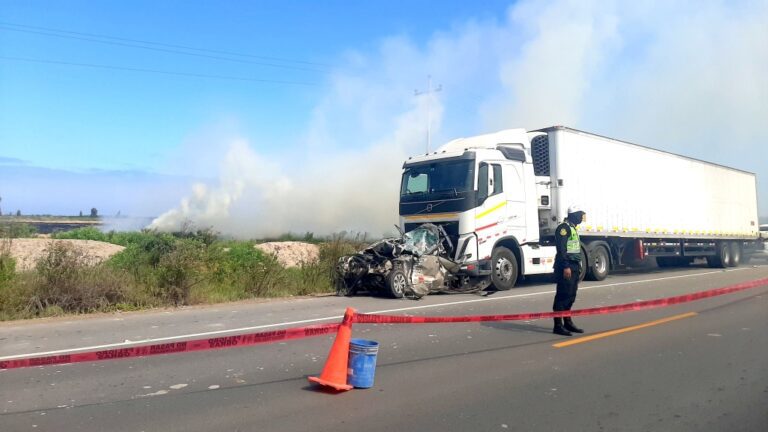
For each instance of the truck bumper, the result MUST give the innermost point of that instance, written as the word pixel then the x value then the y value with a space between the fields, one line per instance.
pixel 476 268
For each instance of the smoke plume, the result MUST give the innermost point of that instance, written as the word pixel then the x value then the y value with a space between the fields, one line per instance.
pixel 686 77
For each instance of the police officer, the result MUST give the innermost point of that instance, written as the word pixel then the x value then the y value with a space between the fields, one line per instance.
pixel 567 269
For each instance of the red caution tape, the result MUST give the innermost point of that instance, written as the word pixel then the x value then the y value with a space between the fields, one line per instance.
pixel 320 330
pixel 175 347
pixel 647 304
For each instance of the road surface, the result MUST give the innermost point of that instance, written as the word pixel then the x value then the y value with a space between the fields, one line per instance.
pixel 700 366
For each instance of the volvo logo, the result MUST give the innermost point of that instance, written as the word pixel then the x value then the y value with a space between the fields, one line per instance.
pixel 429 207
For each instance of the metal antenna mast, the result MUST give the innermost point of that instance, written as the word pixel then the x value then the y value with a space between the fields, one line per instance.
pixel 429 91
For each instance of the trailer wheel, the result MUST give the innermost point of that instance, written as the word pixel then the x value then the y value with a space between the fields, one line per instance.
pixel 599 263
pixel 721 258
pixel 397 283
pixel 735 255
pixel 504 274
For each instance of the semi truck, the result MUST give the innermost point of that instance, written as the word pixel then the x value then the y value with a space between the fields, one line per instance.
pixel 500 196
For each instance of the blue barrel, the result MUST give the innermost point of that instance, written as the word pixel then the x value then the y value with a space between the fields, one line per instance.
pixel 362 362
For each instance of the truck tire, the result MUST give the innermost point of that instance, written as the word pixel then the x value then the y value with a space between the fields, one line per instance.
pixel 397 283
pixel 504 270
pixel 583 267
pixel 599 264
pixel 735 258
pixel 722 256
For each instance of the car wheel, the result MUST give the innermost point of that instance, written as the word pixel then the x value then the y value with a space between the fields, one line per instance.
pixel 397 283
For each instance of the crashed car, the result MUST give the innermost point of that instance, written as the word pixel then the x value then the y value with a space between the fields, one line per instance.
pixel 413 265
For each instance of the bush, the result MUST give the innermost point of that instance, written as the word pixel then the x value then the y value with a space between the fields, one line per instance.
pixel 245 267
pixel 179 270
pixel 7 263
pixel 159 269
pixel 85 233
pixel 66 279
pixel 17 230
pixel 122 238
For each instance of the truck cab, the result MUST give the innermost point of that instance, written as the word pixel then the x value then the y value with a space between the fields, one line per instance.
pixel 483 192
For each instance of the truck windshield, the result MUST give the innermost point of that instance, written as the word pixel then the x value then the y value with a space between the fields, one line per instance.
pixel 448 178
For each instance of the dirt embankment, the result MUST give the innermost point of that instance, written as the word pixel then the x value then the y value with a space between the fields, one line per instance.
pixel 292 253
pixel 28 251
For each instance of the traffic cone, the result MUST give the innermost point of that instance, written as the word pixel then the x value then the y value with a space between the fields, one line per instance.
pixel 335 371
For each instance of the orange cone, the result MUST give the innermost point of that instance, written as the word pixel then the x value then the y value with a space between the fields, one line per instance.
pixel 335 371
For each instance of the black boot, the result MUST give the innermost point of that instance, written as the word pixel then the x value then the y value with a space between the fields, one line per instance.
pixel 570 326
pixel 559 329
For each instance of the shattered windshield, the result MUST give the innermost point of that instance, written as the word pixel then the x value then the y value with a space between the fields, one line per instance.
pixel 450 178
pixel 421 241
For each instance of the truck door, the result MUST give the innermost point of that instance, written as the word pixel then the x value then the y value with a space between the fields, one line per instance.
pixel 514 191
pixel 491 211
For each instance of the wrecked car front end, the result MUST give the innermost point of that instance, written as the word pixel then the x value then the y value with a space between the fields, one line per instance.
pixel 413 265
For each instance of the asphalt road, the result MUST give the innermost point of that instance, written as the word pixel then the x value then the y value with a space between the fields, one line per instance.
pixel 706 369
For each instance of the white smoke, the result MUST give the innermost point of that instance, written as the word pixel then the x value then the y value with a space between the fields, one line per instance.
pixel 686 76
pixel 353 190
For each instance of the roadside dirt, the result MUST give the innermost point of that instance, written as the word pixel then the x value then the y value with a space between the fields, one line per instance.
pixel 26 251
pixel 291 253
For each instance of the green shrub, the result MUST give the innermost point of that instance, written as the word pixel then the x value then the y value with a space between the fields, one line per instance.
pixel 85 233
pixel 178 270
pixel 14 299
pixel 206 236
pixel 17 230
pixel 244 267
pixel 158 269
pixel 7 263
pixel 65 279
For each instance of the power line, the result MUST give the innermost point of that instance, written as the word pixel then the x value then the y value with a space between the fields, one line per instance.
pixel 189 74
pixel 4 27
pixel 166 45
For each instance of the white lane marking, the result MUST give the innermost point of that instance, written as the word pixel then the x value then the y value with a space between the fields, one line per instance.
pixel 335 317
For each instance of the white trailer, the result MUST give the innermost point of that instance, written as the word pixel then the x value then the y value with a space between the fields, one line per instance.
pixel 500 197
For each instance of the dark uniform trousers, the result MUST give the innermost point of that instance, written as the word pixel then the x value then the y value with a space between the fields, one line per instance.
pixel 566 288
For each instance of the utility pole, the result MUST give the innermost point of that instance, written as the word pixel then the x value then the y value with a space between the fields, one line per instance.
pixel 429 91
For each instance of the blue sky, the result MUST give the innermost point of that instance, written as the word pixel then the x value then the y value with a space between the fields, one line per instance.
pixel 258 117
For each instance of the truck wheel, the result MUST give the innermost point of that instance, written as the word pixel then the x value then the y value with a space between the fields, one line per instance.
pixel 598 264
pixel 583 267
pixel 504 274
pixel 721 258
pixel 735 250
pixel 397 283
